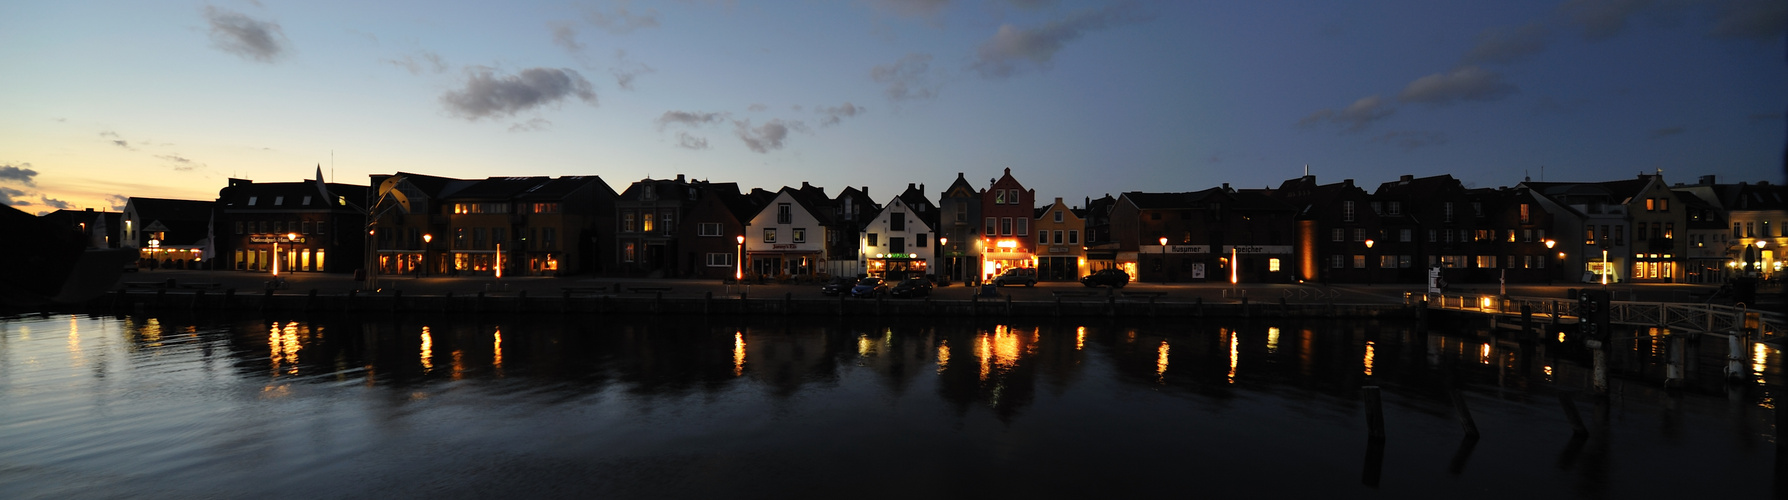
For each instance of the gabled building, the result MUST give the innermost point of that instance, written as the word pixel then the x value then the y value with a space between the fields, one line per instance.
pixel 168 233
pixel 481 225
pixel 898 242
pixel 1101 250
pixel 1589 226
pixel 852 209
pixel 649 231
pixel 315 226
pixel 562 225
pixel 1449 225
pixel 1756 214
pixel 1061 253
pixel 1339 235
pixel 787 237
pixel 959 231
pixel 410 222
pixel 713 232
pixel 99 229
pixel 1197 236
pixel 1007 209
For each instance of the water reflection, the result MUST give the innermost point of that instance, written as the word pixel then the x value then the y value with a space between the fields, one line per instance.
pixel 1038 402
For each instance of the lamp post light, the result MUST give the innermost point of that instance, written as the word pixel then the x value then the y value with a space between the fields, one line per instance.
pixel 1604 268
pixel 277 258
pixel 1561 259
pixel 1368 262
pixel 943 245
pixel 426 240
pixel 739 274
pixel 1163 259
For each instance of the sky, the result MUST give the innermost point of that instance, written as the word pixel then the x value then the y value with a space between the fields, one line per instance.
pixel 105 100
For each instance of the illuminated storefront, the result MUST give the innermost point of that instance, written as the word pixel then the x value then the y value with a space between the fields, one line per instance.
pixel 1003 254
pixel 897 266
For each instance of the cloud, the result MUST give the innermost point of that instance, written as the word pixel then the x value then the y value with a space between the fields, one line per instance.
pixel 754 107
pixel 622 21
pixel 1750 19
pixel 912 8
pixel 766 137
pixel 245 36
pixel 533 125
pixel 420 62
pixel 1353 118
pixel 625 71
pixel 488 95
pixel 1506 45
pixel 1667 132
pixel 907 78
pixel 1601 19
pixel 180 163
pixel 21 173
pixel 687 118
pixel 116 140
pixel 1468 83
pixel 565 35
pixel 117 201
pixel 833 115
pixel 1411 140
pixel 8 196
pixel 1004 55
pixel 55 203
pixel 686 141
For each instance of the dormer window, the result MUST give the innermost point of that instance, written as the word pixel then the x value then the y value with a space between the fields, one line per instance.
pixel 251 201
pixel 279 200
pixel 306 201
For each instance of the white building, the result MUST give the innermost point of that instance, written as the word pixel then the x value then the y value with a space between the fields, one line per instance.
pixel 900 241
pixel 787 237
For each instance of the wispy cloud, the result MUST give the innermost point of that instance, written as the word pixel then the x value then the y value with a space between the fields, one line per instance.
pixel 831 115
pixel 907 78
pixel 1509 44
pixel 20 173
pixel 420 62
pixel 565 35
pixel 755 107
pixel 533 125
pixel 10 196
pixel 116 140
pixel 244 36
pixel 487 94
pixel 1468 83
pixel 1353 118
pixel 1411 139
pixel 687 141
pixel 117 201
pixel 55 203
pixel 1601 19
pixel 626 70
pixel 689 118
pixel 180 163
pixel 1007 53
pixel 766 137
pixel 1667 132
pixel 622 20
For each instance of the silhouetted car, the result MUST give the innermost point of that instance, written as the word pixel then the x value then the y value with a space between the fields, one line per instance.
pixel 1113 277
pixel 1016 276
pixel 911 287
pixel 838 286
pixel 869 287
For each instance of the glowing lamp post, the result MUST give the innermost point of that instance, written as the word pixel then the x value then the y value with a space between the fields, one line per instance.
pixel 1163 259
pixel 943 245
pixel 1369 270
pixel 426 239
pixel 739 275
pixel 276 257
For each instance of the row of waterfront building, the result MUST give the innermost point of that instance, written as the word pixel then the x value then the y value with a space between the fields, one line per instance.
pixel 1637 229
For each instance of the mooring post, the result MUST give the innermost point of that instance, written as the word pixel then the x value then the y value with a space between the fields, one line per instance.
pixel 1600 363
pixel 1673 372
pixel 658 302
pixel 1245 312
pixel 1463 412
pixel 479 305
pixel 1374 413
pixel 1736 348
pixel 1008 304
pixel 310 300
pixel 1570 409
pixel 447 302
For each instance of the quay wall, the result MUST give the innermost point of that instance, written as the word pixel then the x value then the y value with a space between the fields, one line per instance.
pixel 709 304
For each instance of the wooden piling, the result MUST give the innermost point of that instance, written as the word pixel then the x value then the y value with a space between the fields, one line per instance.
pixel 1576 419
pixel 1374 413
pixel 1463 413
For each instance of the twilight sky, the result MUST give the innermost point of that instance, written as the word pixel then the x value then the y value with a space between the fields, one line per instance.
pixel 106 99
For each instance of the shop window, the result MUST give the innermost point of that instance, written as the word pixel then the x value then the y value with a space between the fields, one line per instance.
pixel 1273 265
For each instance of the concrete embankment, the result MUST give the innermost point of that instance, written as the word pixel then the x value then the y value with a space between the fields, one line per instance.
pixel 709 304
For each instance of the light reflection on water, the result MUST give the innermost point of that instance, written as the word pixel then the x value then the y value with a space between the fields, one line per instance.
pixel 347 406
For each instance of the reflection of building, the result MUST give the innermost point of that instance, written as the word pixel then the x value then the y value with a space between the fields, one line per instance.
pixel 1060 251
pixel 1007 209
pixel 168 232
pixel 897 242
pixel 958 230
pixel 316 226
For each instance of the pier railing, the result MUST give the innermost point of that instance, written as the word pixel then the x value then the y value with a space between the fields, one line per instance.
pixel 1693 317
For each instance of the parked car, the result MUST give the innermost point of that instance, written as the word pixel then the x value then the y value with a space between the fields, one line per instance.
pixel 1016 276
pixel 870 287
pixel 911 287
pixel 1112 277
pixel 838 285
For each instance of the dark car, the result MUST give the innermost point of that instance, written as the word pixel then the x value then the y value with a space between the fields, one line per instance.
pixel 1113 277
pixel 838 286
pixel 911 287
pixel 1016 276
pixel 869 287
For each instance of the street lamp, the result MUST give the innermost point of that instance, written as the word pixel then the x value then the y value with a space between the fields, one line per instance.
pixel 1369 264
pixel 1163 259
pixel 943 245
pixel 276 257
pixel 739 275
pixel 426 239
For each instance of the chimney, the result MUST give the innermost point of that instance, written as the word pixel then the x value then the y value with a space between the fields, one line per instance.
pixel 679 178
pixel 865 191
pixel 1707 180
pixel 1406 178
pixel 921 188
pixel 805 186
pixel 910 186
pixel 1347 182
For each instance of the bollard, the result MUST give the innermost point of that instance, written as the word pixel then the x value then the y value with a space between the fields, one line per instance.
pixel 1600 361
pixel 478 306
pixel 1463 413
pixel 658 303
pixel 1374 413
pixel 1008 304
pixel 447 302
pixel 1200 302
pixel 1735 351
pixel 1245 312
pixel 1570 409
pixel 1673 373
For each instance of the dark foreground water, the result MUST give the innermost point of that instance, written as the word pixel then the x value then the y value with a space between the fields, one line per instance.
pixel 583 407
